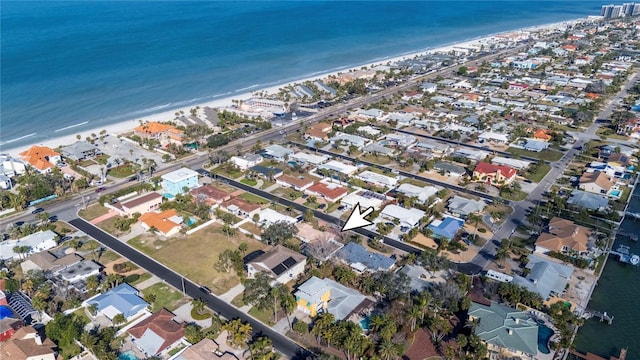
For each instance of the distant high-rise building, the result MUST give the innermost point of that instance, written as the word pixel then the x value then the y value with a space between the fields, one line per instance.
pixel 614 11
pixel 631 9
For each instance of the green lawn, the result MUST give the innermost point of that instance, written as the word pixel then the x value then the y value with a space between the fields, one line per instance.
pixel 250 182
pixel 93 211
pixel 288 193
pixel 166 297
pixel 265 316
pixel 413 182
pixel 515 196
pixel 85 163
pixel 123 171
pixel 238 301
pixel 548 155
pixel 228 171
pixel 376 159
pixel 540 172
pixel 610 134
pixel 254 199
pixel 89 245
pixel 266 183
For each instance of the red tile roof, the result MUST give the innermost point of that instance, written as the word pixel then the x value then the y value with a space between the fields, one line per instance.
pixel 327 191
pixel 163 325
pixel 38 156
pixel 161 220
pixel 488 168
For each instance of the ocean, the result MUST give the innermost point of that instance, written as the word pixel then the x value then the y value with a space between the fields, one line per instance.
pixel 69 66
pixel 617 293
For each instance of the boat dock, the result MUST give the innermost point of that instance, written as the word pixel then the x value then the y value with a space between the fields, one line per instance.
pixel 625 256
pixel 591 356
pixel 603 316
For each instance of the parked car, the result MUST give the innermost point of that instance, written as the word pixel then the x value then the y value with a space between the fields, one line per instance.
pixel 100 189
pixel 65 238
pixel 37 211
pixel 322 206
pixel 53 218
pixel 205 289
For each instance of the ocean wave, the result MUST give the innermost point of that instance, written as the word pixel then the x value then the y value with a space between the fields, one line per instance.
pixel 244 89
pixel 17 139
pixel 71 126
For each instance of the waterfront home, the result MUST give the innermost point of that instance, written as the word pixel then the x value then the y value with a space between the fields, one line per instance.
pixel 494 137
pixel 267 217
pixel 122 299
pixel 496 175
pixel 11 167
pixel 240 207
pixel 210 195
pixel 546 277
pixel 246 161
pixel 41 158
pixel 365 198
pixel 610 170
pixel 177 181
pixel 80 150
pixel 407 217
pixel 163 133
pixel 325 295
pixel 276 152
pixel 586 200
pixel 299 183
pixel 445 229
pixel 140 204
pixel 422 193
pixel 351 140
pixel 563 236
pixel 505 330
pixel 36 242
pixel 28 343
pixel 595 182
pixel 158 334
pixel 463 207
pixel 329 192
pixel 166 223
pixel 280 263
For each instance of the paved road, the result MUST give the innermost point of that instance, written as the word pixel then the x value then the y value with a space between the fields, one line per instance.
pixel 283 344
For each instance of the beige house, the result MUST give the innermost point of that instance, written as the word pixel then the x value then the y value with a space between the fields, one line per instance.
pixel 596 182
pixel 140 204
pixel 563 236
pixel 281 263
pixel 27 344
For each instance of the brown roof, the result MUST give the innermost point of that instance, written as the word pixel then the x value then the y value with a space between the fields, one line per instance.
pixel 271 259
pixel 327 191
pixel 422 347
pixel 243 205
pixel 163 325
pixel 209 192
pixel 47 261
pixel 564 233
pixel 597 177
pixel 620 158
pixel 297 181
pixel 141 199
pixel 205 349
pixel 22 345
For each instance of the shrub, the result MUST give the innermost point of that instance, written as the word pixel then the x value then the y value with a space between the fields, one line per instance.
pixel 482 230
pixel 300 327
pixel 132 278
pixel 197 316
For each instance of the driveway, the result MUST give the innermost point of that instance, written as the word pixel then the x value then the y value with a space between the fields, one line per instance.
pixel 183 313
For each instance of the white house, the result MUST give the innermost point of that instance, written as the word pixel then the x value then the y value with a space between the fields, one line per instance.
pixel 407 217
pixel 40 241
pixel 422 193
pixel 366 199
pixel 246 161
pixel 269 217
pixel 377 179
pixel 339 167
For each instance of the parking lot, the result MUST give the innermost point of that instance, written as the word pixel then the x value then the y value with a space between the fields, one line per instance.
pixel 127 150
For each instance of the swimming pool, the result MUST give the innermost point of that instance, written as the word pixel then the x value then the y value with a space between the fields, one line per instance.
pixel 128 355
pixel 364 323
pixel 615 193
pixel 544 334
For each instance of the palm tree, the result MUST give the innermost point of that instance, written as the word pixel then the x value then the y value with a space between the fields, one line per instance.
pixel 119 319
pixel 500 256
pixel 261 348
pixel 414 315
pixel 243 247
pixel 198 305
pixel 17 201
pixel 388 350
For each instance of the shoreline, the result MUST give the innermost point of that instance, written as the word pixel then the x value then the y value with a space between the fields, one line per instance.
pixel 169 115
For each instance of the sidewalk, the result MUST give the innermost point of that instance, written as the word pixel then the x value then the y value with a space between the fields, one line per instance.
pixel 150 281
pixel 232 293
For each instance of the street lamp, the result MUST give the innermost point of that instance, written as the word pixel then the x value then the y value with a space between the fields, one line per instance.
pixel 183 290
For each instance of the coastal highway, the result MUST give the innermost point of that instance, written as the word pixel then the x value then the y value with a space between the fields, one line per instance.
pixel 280 342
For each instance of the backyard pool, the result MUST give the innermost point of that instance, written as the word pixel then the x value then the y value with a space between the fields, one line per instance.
pixel 544 334
pixel 128 355
pixel 364 323
pixel 615 193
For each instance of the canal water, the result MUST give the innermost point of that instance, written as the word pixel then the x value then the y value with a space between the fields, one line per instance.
pixel 617 293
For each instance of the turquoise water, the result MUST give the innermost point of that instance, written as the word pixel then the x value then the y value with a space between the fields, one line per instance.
pixel 191 221
pixel 615 193
pixel 544 334
pixel 127 355
pixel 68 66
pixel 364 323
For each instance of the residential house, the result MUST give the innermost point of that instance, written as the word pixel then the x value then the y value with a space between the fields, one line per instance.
pixel 299 183
pixel 266 172
pixel 10 322
pixel 140 204
pixel 240 207
pixel 505 330
pixel 463 207
pixel 612 171
pixel 366 199
pixel 497 175
pixel 586 200
pixel 445 229
pixel 377 179
pixel 80 150
pixel 495 137
pixel 400 140
pixel 541 135
pixel 596 182
pixel 329 192
pixel 41 158
pixel 280 263
pixel 378 149
pixel 361 259
pixel 449 169
pixel 158 334
pixel 205 349
pixel 209 195
pixel 563 236
pixel 350 140
pixel 28 344
pixel 418 277
pixel 316 295
pixel 269 217
pixel 306 158
pixel 175 182
pixel 510 162
pixel 166 223
pixel 429 88
pixel 619 159
pixel 79 271
pixel 5 182
pixel 21 305
pixel 369 130
pixel 318 132
pixel 371 113
pixel 338 167
pixel 163 133
pixel 246 161
pixel 276 152
pixel 40 241
pixel 535 145
pixel 11 167
pixel 407 217
pixel 422 193
pixel 471 154
pixel 48 262
pixel 122 299
pixel 546 277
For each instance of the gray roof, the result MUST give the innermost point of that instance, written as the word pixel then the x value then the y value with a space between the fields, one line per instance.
pixel 535 145
pixel 123 297
pixel 418 276
pixel 83 268
pixel 448 167
pixel 546 277
pixel 355 253
pixel 277 151
pixel 344 301
pixel 78 150
pixel 464 206
pixel 377 148
pixel 506 327
pixel 588 200
pixel 150 342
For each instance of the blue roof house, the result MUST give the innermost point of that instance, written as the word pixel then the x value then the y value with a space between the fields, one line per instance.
pixel 361 259
pixel 122 299
pixel 446 228
pixel 175 182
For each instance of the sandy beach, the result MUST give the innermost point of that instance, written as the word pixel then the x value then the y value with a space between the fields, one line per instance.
pixel 169 115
